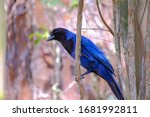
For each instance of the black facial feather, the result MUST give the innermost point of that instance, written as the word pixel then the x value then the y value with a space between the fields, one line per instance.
pixel 69 46
pixel 60 35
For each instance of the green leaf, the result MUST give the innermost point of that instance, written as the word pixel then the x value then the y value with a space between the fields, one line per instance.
pixel 45 35
pixel 37 41
pixel 74 4
pixel 31 36
pixel 52 3
pixel 38 36
pixel 2 96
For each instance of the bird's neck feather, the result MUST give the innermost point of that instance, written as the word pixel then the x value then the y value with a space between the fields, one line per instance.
pixel 69 42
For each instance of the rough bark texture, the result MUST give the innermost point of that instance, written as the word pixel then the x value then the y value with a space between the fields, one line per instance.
pixel 140 24
pixel 147 54
pixel 78 49
pixel 18 56
pixel 130 52
pixel 119 39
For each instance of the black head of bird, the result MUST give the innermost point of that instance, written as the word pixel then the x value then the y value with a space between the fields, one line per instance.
pixel 57 34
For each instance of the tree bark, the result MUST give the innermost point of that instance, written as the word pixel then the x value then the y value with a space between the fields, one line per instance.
pixel 147 54
pixel 19 51
pixel 140 24
pixel 130 52
pixel 120 29
pixel 78 50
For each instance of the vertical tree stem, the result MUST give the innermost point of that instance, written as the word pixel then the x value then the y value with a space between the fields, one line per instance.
pixel 103 20
pixel 78 49
pixel 130 52
pixel 2 47
pixel 147 54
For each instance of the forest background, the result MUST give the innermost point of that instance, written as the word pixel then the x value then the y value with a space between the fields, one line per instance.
pixel 31 68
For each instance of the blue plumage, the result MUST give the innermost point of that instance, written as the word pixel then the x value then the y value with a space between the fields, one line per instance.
pixel 92 58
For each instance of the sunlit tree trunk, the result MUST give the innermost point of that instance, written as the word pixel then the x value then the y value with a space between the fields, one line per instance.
pixel 19 51
pixel 132 33
pixel 120 29
pixel 140 24
pixel 2 47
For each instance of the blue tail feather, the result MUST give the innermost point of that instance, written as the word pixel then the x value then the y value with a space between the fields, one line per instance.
pixel 115 88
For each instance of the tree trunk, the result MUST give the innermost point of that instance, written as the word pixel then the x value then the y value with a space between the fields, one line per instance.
pixel 120 28
pixel 131 42
pixel 19 50
pixel 140 24
pixel 2 47
pixel 147 54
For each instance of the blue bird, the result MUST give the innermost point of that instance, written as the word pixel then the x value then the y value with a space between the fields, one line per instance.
pixel 92 58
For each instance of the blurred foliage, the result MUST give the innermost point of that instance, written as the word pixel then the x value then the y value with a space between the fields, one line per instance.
pixel 52 3
pixel 2 96
pixel 39 35
pixel 74 4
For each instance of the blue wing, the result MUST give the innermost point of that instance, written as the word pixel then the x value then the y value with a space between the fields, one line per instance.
pixel 94 60
pixel 94 52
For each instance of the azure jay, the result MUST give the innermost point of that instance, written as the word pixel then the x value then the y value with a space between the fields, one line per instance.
pixel 92 58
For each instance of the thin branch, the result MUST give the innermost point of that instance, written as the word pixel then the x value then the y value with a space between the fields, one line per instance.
pixel 87 22
pixel 97 28
pixel 140 52
pixel 143 12
pixel 69 87
pixel 94 29
pixel 102 39
pixel 99 11
pixel 90 28
pixel 78 50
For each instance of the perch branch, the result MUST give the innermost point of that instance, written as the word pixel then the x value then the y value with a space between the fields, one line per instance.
pixel 78 50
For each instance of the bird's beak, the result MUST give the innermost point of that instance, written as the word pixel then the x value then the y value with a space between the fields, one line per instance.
pixel 51 37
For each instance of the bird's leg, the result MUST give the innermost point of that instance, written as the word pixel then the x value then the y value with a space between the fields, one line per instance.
pixel 87 72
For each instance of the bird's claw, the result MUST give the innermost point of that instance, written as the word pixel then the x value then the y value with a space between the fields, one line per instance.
pixel 81 77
